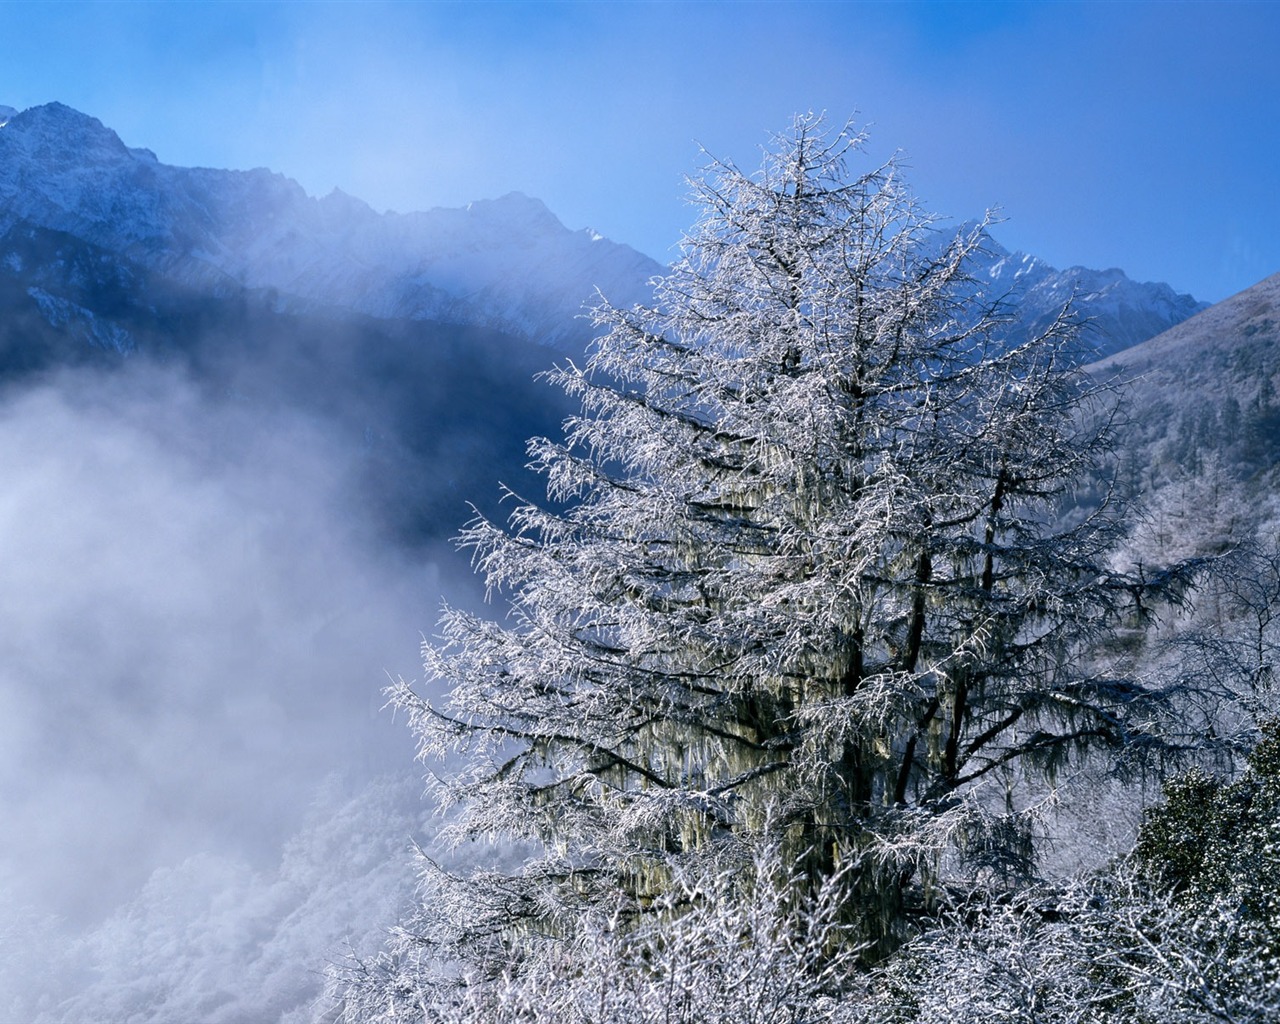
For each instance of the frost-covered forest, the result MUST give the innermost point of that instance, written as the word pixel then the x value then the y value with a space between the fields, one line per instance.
pixel 885 635
pixel 852 668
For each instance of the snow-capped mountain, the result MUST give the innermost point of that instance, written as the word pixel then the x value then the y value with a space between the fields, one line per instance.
pixel 506 264
pixel 1120 312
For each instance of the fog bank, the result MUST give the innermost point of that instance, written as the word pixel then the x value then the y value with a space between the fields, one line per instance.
pixel 199 614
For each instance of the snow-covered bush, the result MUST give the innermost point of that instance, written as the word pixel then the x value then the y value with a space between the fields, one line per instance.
pixel 1185 931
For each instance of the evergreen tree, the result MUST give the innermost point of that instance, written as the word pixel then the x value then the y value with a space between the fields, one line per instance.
pixel 797 583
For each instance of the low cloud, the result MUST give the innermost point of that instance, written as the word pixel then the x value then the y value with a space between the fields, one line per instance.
pixel 198 615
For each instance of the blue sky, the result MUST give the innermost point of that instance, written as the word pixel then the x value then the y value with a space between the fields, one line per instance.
pixel 1144 135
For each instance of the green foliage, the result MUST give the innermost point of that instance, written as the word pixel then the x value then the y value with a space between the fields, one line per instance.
pixel 1218 844
pixel 1175 835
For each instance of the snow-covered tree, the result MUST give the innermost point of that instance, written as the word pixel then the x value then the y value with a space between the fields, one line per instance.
pixel 797 582
pixel 742 951
pixel 1107 950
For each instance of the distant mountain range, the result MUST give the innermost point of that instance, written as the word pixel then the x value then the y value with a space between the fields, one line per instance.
pixel 418 334
pixel 1119 312
pixel 504 264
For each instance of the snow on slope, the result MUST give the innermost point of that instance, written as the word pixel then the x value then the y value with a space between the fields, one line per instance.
pixel 1121 312
pixel 1248 320
pixel 1229 352
pixel 506 263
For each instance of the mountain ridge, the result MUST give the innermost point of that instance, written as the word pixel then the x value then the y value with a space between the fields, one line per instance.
pixel 1118 311
pixel 1250 316
pixel 1201 403
pixel 505 264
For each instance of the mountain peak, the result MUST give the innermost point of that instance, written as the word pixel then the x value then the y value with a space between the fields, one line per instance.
pixel 1121 312
pixel 344 203
pixel 59 114
pixel 63 132
pixel 516 208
